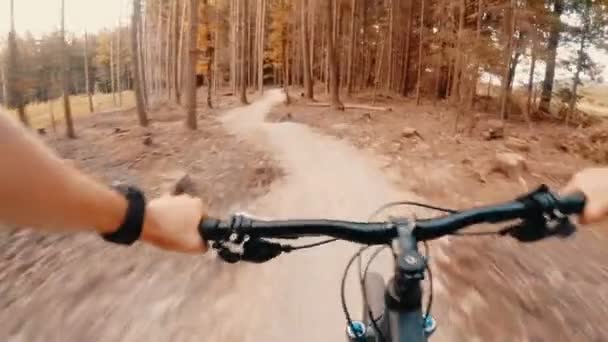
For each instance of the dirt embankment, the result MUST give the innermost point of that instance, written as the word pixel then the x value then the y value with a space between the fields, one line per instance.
pixel 496 289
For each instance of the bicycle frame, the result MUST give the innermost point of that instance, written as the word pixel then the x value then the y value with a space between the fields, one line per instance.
pixel 402 320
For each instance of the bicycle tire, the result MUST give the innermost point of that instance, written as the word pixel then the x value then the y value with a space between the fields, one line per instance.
pixel 374 291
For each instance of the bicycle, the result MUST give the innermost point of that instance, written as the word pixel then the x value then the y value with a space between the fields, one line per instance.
pixel 542 214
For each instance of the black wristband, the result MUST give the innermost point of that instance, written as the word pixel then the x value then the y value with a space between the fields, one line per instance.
pixel 132 225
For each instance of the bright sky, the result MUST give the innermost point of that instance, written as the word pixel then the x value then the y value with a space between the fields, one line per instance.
pixel 42 16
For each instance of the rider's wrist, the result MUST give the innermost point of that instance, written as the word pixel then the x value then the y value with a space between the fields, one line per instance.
pixel 130 227
pixel 111 215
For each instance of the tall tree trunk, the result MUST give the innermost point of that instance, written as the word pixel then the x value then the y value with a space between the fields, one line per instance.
pixel 390 51
pixel 233 44
pixel 308 85
pixel 259 49
pixel 87 82
pixel 438 62
pixel 141 56
pixel 553 42
pixel 508 54
pixel 262 45
pixel 580 59
pixel 216 49
pixel 248 46
pixel 351 49
pixel 311 17
pixel 180 52
pixel 243 52
pixel 475 81
pixel 169 52
pixel 457 78
pixel 112 75
pixel 191 120
pixel 174 51
pixel 15 90
pixel 331 57
pixel 284 65
pixel 67 108
pixel 531 75
pixel 325 64
pixel 137 85
pixel 420 44
pixel 4 85
pixel 406 56
pixel 379 62
pixel 118 64
pixel 208 51
pixel 159 50
pixel 146 61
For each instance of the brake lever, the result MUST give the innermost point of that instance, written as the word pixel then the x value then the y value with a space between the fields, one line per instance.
pixel 252 250
pixel 538 228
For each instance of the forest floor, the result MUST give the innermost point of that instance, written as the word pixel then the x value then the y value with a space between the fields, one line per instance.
pixel 334 164
pixel 77 288
pixel 494 289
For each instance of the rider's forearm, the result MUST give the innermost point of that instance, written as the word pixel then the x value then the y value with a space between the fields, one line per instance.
pixel 39 189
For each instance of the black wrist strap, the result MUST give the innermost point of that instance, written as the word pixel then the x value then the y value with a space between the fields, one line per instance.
pixel 132 225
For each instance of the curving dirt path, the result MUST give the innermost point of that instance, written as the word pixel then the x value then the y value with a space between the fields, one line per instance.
pixel 77 288
pixel 327 178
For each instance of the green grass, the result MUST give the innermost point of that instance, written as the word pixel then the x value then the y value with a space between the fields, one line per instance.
pixel 39 113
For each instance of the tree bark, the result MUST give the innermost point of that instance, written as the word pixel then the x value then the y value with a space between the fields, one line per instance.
pixel 86 73
pixel 191 120
pixel 552 44
pixel 216 49
pixel 243 53
pixel 142 59
pixel 4 85
pixel 67 108
pixel 233 44
pixel 475 81
pixel 14 89
pixel 284 65
pixel 331 56
pixel 175 50
pixel 137 84
pixel 420 44
pixel 159 50
pixel 377 74
pixel 260 44
pixel 112 75
pixel 579 61
pixel 531 76
pixel 308 82
pixel 169 48
pixel 118 65
pixel 406 56
pixel 208 52
pixel 390 52
pixel 351 49
pixel 455 93
pixel 180 52
pixel 508 52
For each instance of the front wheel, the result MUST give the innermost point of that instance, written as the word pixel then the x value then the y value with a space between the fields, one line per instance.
pixel 373 298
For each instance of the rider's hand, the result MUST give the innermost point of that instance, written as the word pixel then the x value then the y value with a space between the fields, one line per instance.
pixel 592 182
pixel 171 222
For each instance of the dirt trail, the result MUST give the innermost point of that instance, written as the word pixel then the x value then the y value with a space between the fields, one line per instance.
pixel 77 288
pixel 325 177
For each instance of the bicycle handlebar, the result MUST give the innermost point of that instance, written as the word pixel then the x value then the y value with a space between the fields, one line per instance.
pixel 537 207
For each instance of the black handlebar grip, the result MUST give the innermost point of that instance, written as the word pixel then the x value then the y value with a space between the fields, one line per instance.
pixel 572 204
pixel 209 229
